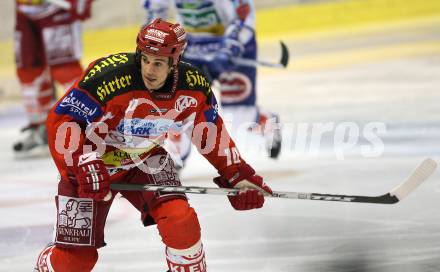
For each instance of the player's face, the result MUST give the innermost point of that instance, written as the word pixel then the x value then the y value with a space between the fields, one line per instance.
pixel 155 70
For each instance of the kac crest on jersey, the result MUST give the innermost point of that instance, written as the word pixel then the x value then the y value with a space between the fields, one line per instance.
pixel 184 102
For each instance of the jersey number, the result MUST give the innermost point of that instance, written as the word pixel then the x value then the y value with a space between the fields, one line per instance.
pixel 232 155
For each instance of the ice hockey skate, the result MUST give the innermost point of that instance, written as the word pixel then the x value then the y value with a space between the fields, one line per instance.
pixel 271 130
pixel 33 142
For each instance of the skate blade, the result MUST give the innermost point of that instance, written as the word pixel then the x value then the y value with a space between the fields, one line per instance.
pixel 34 153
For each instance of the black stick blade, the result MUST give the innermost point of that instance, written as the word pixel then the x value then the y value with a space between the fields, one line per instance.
pixel 284 54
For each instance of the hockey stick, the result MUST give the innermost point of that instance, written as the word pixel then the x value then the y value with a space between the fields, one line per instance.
pixel 284 61
pixel 419 175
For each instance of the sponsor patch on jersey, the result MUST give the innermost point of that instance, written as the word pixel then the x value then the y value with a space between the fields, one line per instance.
pixel 162 170
pixel 75 221
pixel 211 114
pixel 158 110
pixel 118 158
pixel 79 106
pixel 110 61
pixel 196 80
pixel 112 85
pixel 184 102
pixel 144 127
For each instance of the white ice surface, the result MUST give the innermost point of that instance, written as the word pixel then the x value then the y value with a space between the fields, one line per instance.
pixel 285 235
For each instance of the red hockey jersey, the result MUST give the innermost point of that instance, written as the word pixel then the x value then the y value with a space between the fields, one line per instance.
pixel 109 110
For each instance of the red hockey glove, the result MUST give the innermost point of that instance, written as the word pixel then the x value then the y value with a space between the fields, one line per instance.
pixel 92 176
pixel 252 188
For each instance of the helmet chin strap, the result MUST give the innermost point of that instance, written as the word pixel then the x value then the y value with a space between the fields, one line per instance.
pixel 170 63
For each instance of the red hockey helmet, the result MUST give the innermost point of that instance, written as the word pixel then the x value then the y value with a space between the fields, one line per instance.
pixel 162 38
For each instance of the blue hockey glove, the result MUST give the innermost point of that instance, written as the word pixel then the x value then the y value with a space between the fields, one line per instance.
pixel 230 49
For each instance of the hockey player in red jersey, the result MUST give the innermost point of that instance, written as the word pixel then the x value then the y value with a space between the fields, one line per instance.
pixel 47 51
pixel 110 127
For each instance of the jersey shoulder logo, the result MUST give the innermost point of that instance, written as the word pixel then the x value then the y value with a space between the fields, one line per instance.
pixel 195 79
pixel 79 106
pixel 107 63
pixel 111 76
pixel 190 78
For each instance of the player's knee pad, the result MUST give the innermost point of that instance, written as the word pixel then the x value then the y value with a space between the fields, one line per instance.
pixel 33 75
pixel 190 259
pixel 177 224
pixel 37 91
pixel 56 259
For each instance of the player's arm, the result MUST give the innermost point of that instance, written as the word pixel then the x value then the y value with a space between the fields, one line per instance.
pixel 67 123
pixel 239 32
pixel 213 141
